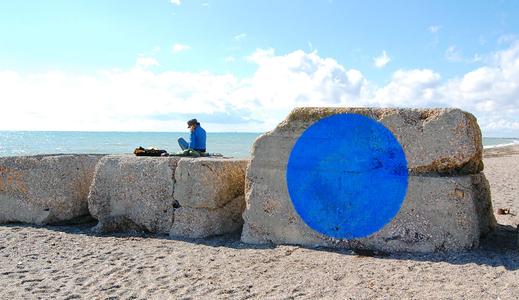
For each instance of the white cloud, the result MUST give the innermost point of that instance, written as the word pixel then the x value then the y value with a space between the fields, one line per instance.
pixel 453 54
pixel 296 79
pixel 180 48
pixel 146 62
pixel 501 124
pixel 135 99
pixel 144 99
pixel 176 2
pixel 240 36
pixel 261 55
pixel 382 60
pixel 408 88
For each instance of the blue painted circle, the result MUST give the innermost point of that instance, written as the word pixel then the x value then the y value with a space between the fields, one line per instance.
pixel 347 176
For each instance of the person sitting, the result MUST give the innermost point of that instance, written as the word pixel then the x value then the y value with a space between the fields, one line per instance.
pixel 197 138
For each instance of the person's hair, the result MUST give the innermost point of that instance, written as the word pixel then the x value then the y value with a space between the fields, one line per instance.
pixel 192 122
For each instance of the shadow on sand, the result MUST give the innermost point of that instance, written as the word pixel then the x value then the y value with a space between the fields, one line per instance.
pixel 499 248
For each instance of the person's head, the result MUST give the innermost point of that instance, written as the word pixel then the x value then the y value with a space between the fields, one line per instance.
pixel 191 124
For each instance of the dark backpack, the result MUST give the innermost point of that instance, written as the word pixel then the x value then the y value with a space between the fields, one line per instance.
pixel 140 151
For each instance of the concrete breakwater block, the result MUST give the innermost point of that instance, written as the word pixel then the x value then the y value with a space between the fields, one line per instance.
pixel 209 182
pixel 433 140
pixel 131 192
pixel 376 179
pixel 45 189
pixel 156 193
pixel 210 193
pixel 438 213
pixel 205 222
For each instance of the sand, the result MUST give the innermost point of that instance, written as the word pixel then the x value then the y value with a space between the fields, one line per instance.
pixel 69 262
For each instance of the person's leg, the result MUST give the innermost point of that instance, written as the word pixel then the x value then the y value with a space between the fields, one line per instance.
pixel 183 144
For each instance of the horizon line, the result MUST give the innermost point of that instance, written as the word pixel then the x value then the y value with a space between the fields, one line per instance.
pixel 112 131
pixel 115 131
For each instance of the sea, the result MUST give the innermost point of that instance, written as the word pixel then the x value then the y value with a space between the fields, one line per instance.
pixel 230 144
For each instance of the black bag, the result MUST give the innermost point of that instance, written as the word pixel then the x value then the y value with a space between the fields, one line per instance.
pixel 140 151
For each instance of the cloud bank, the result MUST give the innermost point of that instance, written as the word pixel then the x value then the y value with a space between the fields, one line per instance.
pixel 146 100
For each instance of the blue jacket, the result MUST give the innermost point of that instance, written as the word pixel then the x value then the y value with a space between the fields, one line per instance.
pixel 197 139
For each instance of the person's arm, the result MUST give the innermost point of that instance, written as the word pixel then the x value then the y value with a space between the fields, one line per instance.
pixel 192 140
pixel 202 139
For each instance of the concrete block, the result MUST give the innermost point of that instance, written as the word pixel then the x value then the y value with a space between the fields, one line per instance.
pixel 206 222
pixel 45 189
pixel 209 182
pixel 447 201
pixel 445 140
pixel 137 191
pixel 140 193
pixel 438 214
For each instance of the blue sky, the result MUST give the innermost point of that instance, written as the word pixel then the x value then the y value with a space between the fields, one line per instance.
pixel 369 53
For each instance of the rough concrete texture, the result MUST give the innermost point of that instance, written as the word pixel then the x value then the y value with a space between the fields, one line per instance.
pixel 206 222
pixel 140 193
pixel 129 192
pixel 443 140
pixel 45 189
pixel 209 182
pixel 439 212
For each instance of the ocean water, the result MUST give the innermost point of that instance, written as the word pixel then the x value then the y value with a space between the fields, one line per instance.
pixel 15 143
pixel 499 142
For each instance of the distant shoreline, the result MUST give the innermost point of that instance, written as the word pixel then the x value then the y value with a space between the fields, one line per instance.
pixel 502 145
pixel 503 150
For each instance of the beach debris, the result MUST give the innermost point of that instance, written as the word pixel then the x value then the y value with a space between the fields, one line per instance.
pixel 503 211
pixel 370 253
pixel 140 151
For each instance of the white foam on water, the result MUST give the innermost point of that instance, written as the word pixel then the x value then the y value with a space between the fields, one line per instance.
pixel 515 142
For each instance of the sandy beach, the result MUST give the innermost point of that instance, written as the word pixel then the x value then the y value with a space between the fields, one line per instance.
pixel 70 262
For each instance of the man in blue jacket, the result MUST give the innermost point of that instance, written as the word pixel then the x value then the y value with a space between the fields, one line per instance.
pixel 197 138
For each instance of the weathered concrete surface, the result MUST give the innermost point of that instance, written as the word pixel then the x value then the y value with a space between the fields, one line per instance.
pixel 439 212
pixel 209 182
pixel 211 195
pixel 45 189
pixel 206 222
pixel 137 189
pixel 140 193
pixel 434 140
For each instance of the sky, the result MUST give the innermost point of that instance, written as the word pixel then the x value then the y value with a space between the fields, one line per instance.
pixel 244 65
